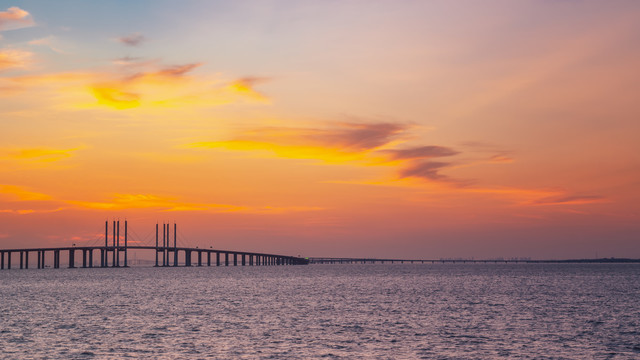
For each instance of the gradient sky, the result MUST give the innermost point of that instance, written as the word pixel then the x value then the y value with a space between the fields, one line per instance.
pixel 420 129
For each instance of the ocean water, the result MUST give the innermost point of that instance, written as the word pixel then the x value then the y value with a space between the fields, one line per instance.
pixel 430 311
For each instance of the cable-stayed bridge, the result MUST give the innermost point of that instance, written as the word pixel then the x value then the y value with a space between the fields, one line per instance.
pixel 115 253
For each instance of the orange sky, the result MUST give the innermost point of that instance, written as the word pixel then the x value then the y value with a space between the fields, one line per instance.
pixel 422 130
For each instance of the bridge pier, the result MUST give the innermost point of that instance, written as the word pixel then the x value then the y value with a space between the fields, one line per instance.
pixel 187 258
pixel 235 259
pixel 156 245
pixel 113 262
pixel 250 260
pixel 126 260
pixel 217 258
pixel 208 258
pixel 1 260
pixel 21 259
pixel 72 255
pixel 84 258
pixel 226 259
pixel 243 259
pixel 199 258
pixel 175 244
pixel 117 246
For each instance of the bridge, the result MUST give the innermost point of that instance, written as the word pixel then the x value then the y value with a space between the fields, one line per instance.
pixel 337 260
pixel 166 254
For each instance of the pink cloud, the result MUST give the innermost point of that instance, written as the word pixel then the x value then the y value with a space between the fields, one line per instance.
pixel 15 18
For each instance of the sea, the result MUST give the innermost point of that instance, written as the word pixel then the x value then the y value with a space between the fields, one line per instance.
pixel 364 311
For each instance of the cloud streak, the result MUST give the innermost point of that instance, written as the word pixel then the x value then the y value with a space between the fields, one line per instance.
pixel 341 143
pixel 428 170
pixel 420 152
pixel 135 39
pixel 569 200
pixel 38 154
pixel 161 203
pixel 15 18
pixel 14 58
pixel 370 144
pixel 134 84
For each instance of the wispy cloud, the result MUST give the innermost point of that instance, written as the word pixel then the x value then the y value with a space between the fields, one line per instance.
pixel 47 42
pixel 21 193
pixel 20 200
pixel 15 18
pixel 428 170
pixel 246 86
pixel 370 144
pixel 128 61
pixel 339 143
pixel 164 203
pixel 14 58
pixel 37 154
pixel 420 152
pixel 134 84
pixel 569 200
pixel 134 39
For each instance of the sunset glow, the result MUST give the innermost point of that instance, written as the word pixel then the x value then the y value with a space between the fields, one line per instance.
pixel 378 129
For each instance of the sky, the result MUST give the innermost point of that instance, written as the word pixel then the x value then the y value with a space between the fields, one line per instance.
pixel 405 129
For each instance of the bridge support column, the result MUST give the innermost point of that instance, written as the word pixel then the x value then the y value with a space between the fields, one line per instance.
pixel 199 258
pixel 72 255
pixel 84 258
pixel 21 259
pixel 126 259
pixel 250 260
pixel 175 244
pixel 243 259
pixel 38 267
pixel 187 258
pixel 217 258
pixel 8 259
pixel 235 259
pixel 226 259
pixel 113 261
pixel 90 258
pixel 1 260
pixel 208 258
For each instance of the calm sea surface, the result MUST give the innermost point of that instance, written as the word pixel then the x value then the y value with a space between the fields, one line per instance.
pixel 576 311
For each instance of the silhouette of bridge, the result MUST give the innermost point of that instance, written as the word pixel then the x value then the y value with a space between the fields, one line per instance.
pixel 166 254
pixel 338 260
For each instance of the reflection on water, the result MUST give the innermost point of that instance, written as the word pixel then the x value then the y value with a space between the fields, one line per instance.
pixel 375 311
